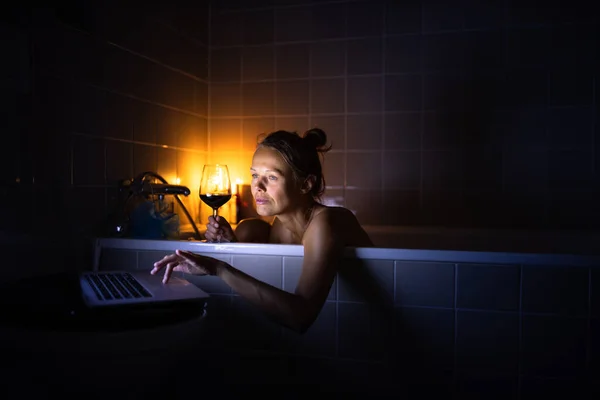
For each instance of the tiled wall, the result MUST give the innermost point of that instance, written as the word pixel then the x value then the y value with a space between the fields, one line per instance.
pixel 109 91
pixel 481 330
pixel 469 113
pixel 446 113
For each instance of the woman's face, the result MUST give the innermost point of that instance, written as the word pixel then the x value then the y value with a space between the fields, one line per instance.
pixel 273 185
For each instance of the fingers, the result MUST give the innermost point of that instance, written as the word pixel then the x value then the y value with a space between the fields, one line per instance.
pixel 210 236
pixel 218 230
pixel 169 271
pixel 183 253
pixel 186 255
pixel 196 264
pixel 222 221
pixel 212 229
pixel 182 260
pixel 217 222
pixel 169 263
pixel 163 262
pixel 187 262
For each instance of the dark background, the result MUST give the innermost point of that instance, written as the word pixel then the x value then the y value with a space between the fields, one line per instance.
pixel 463 114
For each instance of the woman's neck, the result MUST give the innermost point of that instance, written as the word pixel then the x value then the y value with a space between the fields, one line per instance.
pixel 298 220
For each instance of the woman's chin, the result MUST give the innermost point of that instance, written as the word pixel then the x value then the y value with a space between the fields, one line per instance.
pixel 263 211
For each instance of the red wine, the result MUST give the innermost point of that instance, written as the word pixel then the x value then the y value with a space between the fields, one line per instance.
pixel 215 200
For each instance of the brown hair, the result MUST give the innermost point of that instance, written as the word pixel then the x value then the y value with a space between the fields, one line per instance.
pixel 302 154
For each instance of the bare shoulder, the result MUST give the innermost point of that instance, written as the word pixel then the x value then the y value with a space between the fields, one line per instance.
pixel 253 230
pixel 335 214
pixel 342 223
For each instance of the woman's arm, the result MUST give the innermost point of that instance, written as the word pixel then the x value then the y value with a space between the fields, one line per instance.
pixel 322 250
pixel 296 310
pixel 253 230
pixel 250 230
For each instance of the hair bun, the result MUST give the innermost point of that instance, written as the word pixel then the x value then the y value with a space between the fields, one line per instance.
pixel 315 138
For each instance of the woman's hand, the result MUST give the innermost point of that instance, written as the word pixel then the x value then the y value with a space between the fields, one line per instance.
pixel 187 262
pixel 219 230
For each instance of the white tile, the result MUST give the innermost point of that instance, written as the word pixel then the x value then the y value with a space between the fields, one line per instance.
pixel 264 268
pixel 292 266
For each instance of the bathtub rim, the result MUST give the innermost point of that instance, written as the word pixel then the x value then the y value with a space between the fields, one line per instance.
pixel 372 253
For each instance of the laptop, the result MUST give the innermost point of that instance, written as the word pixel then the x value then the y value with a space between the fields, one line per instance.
pixel 119 288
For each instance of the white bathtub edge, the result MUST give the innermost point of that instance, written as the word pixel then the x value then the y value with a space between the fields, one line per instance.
pixel 427 255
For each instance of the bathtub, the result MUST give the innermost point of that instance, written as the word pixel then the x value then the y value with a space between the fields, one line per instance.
pixel 452 296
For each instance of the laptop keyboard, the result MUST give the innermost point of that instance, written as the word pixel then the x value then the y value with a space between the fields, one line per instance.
pixel 116 286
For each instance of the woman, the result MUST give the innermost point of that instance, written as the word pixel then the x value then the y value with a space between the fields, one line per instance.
pixel 287 183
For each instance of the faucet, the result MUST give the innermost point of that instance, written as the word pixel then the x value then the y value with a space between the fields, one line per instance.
pixel 143 185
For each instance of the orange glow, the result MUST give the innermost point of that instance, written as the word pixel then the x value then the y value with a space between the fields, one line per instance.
pixel 170 177
pixel 218 182
pixel 238 181
pixel 187 171
pixel 237 163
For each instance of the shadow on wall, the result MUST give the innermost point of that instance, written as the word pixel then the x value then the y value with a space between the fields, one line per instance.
pixel 375 348
pixel 404 354
pixel 465 141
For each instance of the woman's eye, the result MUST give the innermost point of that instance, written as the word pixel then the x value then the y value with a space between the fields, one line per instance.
pixel 272 177
pixel 254 176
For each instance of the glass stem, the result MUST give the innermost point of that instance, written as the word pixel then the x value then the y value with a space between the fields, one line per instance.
pixel 215 210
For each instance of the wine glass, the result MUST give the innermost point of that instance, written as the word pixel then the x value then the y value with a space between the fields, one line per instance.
pixel 215 186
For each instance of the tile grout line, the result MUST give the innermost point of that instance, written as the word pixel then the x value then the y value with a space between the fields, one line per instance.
pixel 588 350
pixel 336 350
pixel 209 84
pixel 520 335
pixel 241 101
pixel 282 332
pixel 594 125
pixel 421 131
pixel 345 150
pixel 275 80
pixel 383 39
pixel 455 344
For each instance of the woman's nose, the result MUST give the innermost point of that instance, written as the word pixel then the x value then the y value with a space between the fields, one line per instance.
pixel 262 184
pixel 259 185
